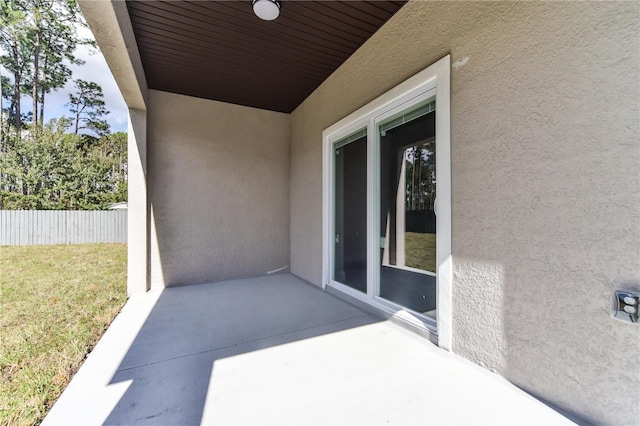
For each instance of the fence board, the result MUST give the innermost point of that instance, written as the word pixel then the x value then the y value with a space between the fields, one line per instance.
pixel 48 227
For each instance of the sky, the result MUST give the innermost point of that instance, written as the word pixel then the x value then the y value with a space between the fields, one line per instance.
pixel 95 69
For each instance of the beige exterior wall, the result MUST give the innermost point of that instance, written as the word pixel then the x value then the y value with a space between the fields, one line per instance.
pixel 545 184
pixel 218 188
pixel 138 206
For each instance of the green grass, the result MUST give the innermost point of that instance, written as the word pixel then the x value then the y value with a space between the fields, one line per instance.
pixel 420 251
pixel 55 303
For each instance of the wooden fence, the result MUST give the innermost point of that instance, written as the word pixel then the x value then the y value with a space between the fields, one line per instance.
pixel 47 227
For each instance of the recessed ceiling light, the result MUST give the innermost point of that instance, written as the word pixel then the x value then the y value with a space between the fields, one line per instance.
pixel 266 9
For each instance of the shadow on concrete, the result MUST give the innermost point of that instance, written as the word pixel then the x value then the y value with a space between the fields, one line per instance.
pixel 170 363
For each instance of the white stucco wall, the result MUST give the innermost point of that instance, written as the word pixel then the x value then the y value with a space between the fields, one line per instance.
pixel 545 184
pixel 218 188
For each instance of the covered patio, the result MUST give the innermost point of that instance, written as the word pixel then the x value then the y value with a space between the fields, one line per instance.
pixel 238 352
pixel 257 147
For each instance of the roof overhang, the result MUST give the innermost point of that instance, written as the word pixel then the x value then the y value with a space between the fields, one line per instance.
pixel 220 50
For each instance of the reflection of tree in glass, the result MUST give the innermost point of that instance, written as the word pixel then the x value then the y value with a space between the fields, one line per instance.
pixel 420 176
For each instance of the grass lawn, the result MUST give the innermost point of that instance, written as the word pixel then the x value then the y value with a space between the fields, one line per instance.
pixel 420 251
pixel 55 303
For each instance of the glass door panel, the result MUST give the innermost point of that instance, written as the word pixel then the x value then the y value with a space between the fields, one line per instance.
pixel 350 211
pixel 407 228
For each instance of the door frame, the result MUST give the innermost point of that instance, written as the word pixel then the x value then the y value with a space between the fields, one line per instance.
pixel 434 80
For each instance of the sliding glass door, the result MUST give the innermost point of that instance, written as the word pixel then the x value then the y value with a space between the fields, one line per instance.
pixel 406 193
pixel 400 269
pixel 387 203
pixel 350 211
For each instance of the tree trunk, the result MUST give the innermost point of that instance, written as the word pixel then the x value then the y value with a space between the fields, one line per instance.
pixel 18 116
pixel 7 126
pixel 412 206
pixel 17 80
pixel 23 163
pixel 42 93
pixel 420 191
pixel 36 63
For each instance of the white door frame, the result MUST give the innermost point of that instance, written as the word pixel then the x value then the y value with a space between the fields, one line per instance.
pixel 434 80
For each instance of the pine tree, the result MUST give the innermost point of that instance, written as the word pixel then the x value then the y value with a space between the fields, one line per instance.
pixel 87 105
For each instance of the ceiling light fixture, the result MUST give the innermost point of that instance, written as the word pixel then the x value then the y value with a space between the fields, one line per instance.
pixel 266 9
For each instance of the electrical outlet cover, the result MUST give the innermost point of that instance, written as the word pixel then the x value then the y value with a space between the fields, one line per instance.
pixel 626 306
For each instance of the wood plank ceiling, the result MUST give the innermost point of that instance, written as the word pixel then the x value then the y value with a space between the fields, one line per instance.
pixel 220 50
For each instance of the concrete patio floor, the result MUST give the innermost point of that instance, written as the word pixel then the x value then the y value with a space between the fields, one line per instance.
pixel 276 350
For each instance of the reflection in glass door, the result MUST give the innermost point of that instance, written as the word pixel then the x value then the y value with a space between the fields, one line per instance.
pixel 350 211
pixel 382 242
pixel 407 225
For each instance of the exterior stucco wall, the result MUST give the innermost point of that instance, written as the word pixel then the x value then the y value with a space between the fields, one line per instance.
pixel 218 187
pixel 138 206
pixel 545 184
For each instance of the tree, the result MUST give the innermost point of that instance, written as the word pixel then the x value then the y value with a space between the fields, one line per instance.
pixel 36 166
pixel 420 176
pixel 5 113
pixel 115 148
pixel 53 35
pixel 14 41
pixel 55 170
pixel 39 38
pixel 42 166
pixel 87 105
pixel 57 50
